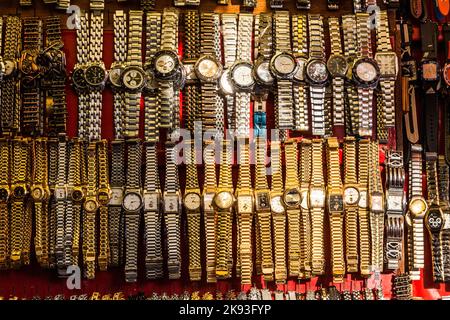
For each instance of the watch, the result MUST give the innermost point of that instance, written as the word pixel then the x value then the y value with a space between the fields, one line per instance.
pixel 443 178
pixel 95 74
pixel 377 208
pixel 132 204
pixel 305 218
pixel 363 207
pixel 209 190
pixel 395 208
pixel 172 213
pixel 283 66
pixel 244 209
pixel 300 88
pixel 152 214
pixel 52 62
pixel 249 3
pixel 417 207
pixel 276 4
pixel 278 213
pixel 5 196
pixel 63 230
pixel 40 193
pixel 317 208
pixel 10 111
pixel 241 74
pixel 388 62
pixel 303 4
pixel 337 66
pixel 32 113
pixel 434 219
pixel 223 203
pixel 133 76
pixel 52 175
pixel 317 73
pixel 192 204
pixel 366 74
pixel 333 5
pixel 262 208
pixel 335 200
pixel 351 200
pixel 90 207
pixel 291 200
pixel 148 5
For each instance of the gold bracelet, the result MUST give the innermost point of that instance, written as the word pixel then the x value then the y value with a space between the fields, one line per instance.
pixel 305 221
pixel 103 196
pixel 5 175
pixel 363 213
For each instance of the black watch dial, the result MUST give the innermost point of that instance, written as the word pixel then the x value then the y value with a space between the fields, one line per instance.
pixel 78 78
pixel 151 84
pixel 434 220
pixel 317 72
pixel 95 75
pixel 337 65
pixel 4 194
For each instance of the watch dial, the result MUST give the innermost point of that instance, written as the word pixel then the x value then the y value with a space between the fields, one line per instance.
pixel 263 73
pixel 366 71
pixel 300 74
pixel 103 197
pixel 190 72
pixel 276 204
pixel 434 220
pixel 336 203
pixel 192 201
pixel 3 194
pixel 245 204
pixel 305 200
pixel 165 63
pixel 337 65
pixel 242 75
pixel 362 199
pixel 446 73
pixel 132 202
pixel 77 195
pixel 114 76
pixel 284 64
pixel 317 198
pixel 37 193
pixel 90 205
pixel 95 75
pixel 19 192
pixel 133 78
pixel 78 78
pixel 376 203
pixel 263 201
pixel 223 200
pixel 10 66
pixel 225 83
pixel 429 71
pixel 292 198
pixel 208 68
pixel 351 196
pixel 387 63
pixel 418 206
pixel 395 203
pixel 317 71
pixel 208 201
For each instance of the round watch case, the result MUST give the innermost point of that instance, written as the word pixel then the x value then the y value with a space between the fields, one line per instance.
pixel 261 72
pixel 223 200
pixel 114 75
pixel 292 198
pixel 151 84
pixel 180 78
pixel 316 72
pixel 434 220
pixel 10 66
pixel 241 76
pixel 337 65
pixel 4 194
pixel 446 73
pixel 133 78
pixel 366 72
pixel 38 193
pixel 132 202
pixel 192 201
pixel 283 66
pixel 165 64
pixel 225 85
pixel 418 207
pixel 95 75
pixel 208 68
pixel 90 205
pixel 78 78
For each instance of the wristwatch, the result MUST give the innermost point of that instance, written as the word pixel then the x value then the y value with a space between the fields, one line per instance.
pixel 249 3
pixel 90 208
pixel 388 62
pixel 317 208
pixel 303 4
pixel 278 213
pixel 434 218
pixel 417 207
pixel 10 111
pixel 172 213
pixel 133 76
pixel 208 69
pixel 223 202
pixel 5 194
pixel 52 175
pixel 283 66
pixel 152 214
pixel 75 196
pixel 95 73
pixel 443 178
pixel 377 208
pixel 333 5
pixel 366 74
pixel 291 201
pixel 229 40
pixel 263 215
pixel 317 73
pixel 241 74
pixel 335 202
pixel 147 5
pixel 300 88
pixel 63 230
pixel 351 102
pixel 276 4
pixel 358 6
pixel 395 208
pixel 351 200
pixel 305 219
pixel 132 204
pixel 363 207
pixel 192 203
pixel 337 66
pixel 32 113
pixel 244 209
pixel 180 3
pixel 209 190
pixel 52 62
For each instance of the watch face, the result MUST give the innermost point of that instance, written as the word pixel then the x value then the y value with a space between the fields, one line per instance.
pixel 446 73
pixel 4 194
pixel 305 200
pixel 114 76
pixel 434 220
pixel 165 64
pixel 10 67
pixel 37 193
pixel 262 201
pixel 376 203
pixel 316 70
pixel 317 198
pixel 262 73
pixel 90 205
pixel 351 196
pixel 362 202
pixel 171 203
pixel 276 204
pixel 366 72
pixel 336 203
pixel 192 201
pixel 241 75
pixel 337 65
pixel 208 202
pixel 103 197
pixel 208 68
pixel 245 204
pixel 418 207
pixel 132 202
pixel 292 198
pixel 395 202
pixel 301 65
pixel 151 201
pixel 225 83
pixel 77 195
pixel 224 200
pixel 60 193
pixel 388 63
pixel 78 78
pixel 133 78
pixel 95 75
pixel 430 71
pixel 283 65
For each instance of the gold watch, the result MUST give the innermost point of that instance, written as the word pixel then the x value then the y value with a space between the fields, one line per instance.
pixel 5 192
pixel 103 197
pixel 363 206
pixel 305 220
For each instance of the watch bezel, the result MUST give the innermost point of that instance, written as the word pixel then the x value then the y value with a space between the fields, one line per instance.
pixel 5 193
pixel 310 80
pixel 141 71
pixel 225 206
pixel 360 82
pixel 244 198
pixel 238 87
pixel 79 71
pixel 355 202
pixel 333 197
pixel 312 193
pixel 343 71
pixel 420 214
pixel 180 78
pixel 282 76
pixel 204 78
pixel 42 196
pixel 199 201
pixel 90 200
pixel 14 68
pixel 259 196
pixel 168 76
pixel 377 195
pixel 128 194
